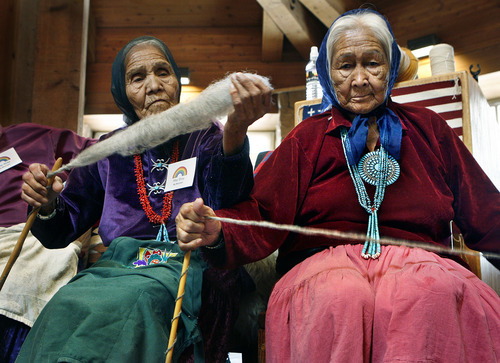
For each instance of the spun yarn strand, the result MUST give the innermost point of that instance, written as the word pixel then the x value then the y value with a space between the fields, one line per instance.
pixel 352 236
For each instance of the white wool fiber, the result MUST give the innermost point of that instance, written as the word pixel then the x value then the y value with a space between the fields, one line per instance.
pixel 197 114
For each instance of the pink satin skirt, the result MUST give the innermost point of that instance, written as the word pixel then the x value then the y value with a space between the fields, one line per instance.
pixel 408 306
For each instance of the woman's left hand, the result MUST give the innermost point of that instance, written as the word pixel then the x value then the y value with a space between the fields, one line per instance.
pixel 251 100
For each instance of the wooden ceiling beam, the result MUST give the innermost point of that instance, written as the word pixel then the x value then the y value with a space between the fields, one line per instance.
pixel 272 40
pixel 298 25
pixel 325 10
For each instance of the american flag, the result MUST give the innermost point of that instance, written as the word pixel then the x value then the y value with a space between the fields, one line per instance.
pixel 443 97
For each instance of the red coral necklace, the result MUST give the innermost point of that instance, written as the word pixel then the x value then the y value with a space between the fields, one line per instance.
pixel 166 210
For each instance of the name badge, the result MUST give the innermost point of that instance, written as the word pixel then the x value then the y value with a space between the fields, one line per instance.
pixel 8 159
pixel 181 174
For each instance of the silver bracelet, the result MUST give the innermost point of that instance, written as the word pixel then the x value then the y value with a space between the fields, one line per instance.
pixel 46 218
pixel 218 245
pixel 51 215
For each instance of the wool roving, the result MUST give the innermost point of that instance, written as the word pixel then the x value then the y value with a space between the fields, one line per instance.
pixel 197 114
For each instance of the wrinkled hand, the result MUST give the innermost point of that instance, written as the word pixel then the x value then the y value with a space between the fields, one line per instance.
pixel 193 229
pixel 34 189
pixel 251 100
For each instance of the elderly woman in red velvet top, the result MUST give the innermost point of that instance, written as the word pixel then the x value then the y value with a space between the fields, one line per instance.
pixel 366 164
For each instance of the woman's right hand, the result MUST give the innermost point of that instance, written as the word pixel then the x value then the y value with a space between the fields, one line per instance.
pixel 34 190
pixel 193 229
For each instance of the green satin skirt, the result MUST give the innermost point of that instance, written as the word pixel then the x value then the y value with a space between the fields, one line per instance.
pixel 120 309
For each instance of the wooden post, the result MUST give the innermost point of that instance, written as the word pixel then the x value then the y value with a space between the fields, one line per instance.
pixel 48 70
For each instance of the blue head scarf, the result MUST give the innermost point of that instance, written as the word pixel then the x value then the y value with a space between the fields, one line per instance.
pixel 118 75
pixel 388 122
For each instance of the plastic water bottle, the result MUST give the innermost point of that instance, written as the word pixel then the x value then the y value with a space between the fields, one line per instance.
pixel 313 88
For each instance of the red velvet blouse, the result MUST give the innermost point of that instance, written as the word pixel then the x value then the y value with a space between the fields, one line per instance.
pixel 306 182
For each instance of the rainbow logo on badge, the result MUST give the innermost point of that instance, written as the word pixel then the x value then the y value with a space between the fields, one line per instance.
pixel 4 159
pixel 182 171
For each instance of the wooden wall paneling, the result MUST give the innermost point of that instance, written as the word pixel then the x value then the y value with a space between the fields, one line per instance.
pixel 7 25
pixel 202 44
pixel 91 36
pixel 58 67
pixel 473 31
pixel 213 37
pixel 99 99
pixel 282 74
pixel 172 13
pixel 23 60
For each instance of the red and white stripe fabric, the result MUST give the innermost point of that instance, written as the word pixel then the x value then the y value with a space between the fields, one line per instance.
pixel 443 97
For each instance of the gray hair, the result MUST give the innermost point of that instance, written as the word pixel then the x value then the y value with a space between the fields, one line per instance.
pixel 368 20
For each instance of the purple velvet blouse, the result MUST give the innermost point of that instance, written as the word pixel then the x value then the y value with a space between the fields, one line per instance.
pixel 106 192
pixel 34 144
pixel 306 182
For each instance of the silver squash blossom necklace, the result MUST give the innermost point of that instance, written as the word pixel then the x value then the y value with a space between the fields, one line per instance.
pixel 377 168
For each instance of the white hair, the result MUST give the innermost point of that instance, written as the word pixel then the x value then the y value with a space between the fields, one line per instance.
pixel 367 20
pixel 197 114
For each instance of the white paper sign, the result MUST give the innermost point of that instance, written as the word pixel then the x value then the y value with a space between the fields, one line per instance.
pixel 181 174
pixel 8 159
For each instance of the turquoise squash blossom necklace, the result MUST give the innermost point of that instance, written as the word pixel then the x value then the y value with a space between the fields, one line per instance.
pixel 377 168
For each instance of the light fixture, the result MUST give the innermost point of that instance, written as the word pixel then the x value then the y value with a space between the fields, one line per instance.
pixel 420 47
pixel 184 76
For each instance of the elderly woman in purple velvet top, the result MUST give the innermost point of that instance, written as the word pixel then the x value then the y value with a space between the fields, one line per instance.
pixel 121 307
